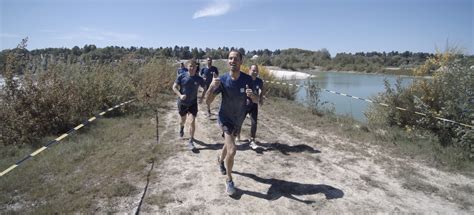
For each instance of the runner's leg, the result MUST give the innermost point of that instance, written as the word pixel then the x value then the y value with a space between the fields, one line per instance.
pixel 192 128
pixel 253 119
pixel 229 147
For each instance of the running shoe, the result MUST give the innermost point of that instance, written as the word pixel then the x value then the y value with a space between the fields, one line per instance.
pixel 221 165
pixel 230 188
pixel 191 144
pixel 253 145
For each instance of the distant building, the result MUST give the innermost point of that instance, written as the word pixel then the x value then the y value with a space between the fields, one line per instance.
pixel 254 57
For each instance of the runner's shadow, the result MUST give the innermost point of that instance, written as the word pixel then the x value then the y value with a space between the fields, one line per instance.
pixel 285 148
pixel 288 189
pixel 207 146
pixel 218 146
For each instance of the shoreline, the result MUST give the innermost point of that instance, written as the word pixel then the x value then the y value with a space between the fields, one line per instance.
pixel 313 73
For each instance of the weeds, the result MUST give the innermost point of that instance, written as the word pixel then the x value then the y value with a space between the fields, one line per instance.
pixel 448 95
pixel 52 101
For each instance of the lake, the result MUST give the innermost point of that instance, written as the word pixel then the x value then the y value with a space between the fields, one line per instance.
pixel 356 84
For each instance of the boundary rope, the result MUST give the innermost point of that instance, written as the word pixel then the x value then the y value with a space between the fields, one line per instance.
pixel 378 103
pixel 62 137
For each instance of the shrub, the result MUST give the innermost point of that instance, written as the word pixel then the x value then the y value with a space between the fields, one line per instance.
pixel 155 78
pixel 50 102
pixel 449 94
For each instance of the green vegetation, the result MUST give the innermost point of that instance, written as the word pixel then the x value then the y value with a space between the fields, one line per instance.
pixel 293 59
pixel 381 62
pixel 52 101
pixel 447 95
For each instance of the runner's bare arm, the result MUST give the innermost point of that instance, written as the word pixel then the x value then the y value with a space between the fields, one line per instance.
pixel 176 91
pixel 210 96
pixel 202 95
pixel 251 95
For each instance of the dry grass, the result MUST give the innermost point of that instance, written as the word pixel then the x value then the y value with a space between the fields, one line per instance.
pixel 85 172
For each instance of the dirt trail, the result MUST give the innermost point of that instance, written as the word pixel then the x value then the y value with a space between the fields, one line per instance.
pixel 300 171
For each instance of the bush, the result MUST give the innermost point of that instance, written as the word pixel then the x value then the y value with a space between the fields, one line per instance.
pixel 52 101
pixel 154 79
pixel 450 95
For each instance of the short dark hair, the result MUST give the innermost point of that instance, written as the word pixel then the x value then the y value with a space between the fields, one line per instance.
pixel 240 54
pixel 192 62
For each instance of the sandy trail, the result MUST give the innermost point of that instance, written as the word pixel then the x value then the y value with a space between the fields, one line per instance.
pixel 299 171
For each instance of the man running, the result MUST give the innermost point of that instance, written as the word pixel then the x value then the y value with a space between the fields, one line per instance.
pixel 198 66
pixel 207 73
pixel 252 107
pixel 235 87
pixel 181 70
pixel 187 98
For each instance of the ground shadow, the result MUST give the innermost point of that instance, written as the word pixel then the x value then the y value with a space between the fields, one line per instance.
pixel 286 149
pixel 218 146
pixel 288 189
pixel 207 146
pixel 244 145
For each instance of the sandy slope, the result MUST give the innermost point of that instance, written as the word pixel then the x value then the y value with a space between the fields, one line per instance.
pixel 299 171
pixel 286 74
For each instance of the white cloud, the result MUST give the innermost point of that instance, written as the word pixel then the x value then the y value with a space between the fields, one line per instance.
pixel 216 8
pixel 7 35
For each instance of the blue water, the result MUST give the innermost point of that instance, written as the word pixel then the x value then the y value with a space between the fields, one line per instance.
pixel 355 84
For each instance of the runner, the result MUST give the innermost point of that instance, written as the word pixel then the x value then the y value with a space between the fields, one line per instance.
pixel 207 73
pixel 235 87
pixel 181 70
pixel 252 107
pixel 187 98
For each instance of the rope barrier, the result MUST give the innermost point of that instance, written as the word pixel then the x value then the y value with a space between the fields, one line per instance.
pixel 62 137
pixel 378 103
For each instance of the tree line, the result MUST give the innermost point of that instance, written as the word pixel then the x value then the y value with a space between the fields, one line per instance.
pixel 293 58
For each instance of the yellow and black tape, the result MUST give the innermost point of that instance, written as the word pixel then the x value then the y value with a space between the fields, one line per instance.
pixel 379 103
pixel 62 137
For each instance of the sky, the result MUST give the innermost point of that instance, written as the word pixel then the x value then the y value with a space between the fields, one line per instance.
pixel 337 25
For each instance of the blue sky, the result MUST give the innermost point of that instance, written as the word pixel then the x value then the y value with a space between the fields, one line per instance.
pixel 337 25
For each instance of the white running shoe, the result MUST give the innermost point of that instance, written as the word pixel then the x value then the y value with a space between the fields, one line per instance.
pixel 230 188
pixel 191 145
pixel 253 145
